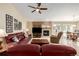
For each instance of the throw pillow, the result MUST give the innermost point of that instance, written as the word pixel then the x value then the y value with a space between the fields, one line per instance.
pixel 15 39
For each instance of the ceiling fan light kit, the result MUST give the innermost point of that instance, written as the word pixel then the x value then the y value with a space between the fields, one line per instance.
pixel 37 10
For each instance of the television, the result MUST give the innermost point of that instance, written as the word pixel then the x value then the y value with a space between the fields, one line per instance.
pixel 36 30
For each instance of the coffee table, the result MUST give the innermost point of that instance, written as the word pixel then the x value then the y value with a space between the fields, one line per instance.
pixel 39 41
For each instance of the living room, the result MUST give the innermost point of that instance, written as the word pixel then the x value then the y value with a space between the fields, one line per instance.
pixel 39 29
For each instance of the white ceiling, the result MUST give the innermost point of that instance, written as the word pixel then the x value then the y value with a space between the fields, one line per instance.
pixel 55 12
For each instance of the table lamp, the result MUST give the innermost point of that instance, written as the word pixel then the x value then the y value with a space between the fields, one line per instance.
pixel 2 36
pixel 26 31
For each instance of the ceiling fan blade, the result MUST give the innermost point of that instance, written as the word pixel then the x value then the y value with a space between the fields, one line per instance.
pixel 39 4
pixel 39 12
pixel 33 11
pixel 43 8
pixel 32 7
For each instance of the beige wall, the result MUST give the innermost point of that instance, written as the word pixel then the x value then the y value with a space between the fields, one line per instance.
pixel 29 26
pixel 11 10
pixel 77 23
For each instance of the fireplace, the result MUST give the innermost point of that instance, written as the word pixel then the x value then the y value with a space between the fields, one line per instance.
pixel 36 32
pixel 45 32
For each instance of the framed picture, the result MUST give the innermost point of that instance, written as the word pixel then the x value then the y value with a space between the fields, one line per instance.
pixel 17 25
pixel 12 24
pixel 9 23
pixel 20 25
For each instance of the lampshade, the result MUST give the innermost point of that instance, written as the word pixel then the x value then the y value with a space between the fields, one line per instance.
pixel 2 33
pixel 27 30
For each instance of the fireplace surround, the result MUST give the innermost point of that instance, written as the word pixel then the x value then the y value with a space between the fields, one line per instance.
pixel 40 32
pixel 41 29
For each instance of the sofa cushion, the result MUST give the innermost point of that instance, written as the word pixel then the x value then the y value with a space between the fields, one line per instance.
pixel 57 50
pixel 24 50
pixel 9 38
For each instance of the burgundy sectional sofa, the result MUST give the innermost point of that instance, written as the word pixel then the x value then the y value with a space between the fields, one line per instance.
pixel 21 36
pixel 24 49
pixel 44 50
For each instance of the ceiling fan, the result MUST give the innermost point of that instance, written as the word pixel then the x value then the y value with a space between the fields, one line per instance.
pixel 38 8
